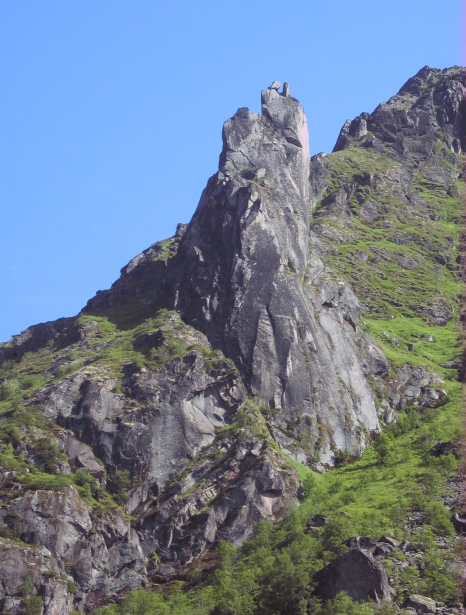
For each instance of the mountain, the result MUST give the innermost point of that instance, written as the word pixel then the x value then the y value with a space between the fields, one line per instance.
pixel 310 308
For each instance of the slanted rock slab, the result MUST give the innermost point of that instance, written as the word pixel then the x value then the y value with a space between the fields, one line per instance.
pixel 358 574
pixel 421 604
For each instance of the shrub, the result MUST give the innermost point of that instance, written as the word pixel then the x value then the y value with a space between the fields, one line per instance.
pixel 14 523
pixel 118 484
pixel 383 447
pixel 48 455
pixel 87 485
pixel 142 602
pixel 33 605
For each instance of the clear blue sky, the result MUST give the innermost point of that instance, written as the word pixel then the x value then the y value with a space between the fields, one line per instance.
pixel 111 116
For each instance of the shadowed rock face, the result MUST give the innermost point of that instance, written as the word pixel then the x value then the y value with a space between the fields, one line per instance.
pixel 358 574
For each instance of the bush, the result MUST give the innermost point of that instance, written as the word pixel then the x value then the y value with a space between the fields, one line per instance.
pixel 14 522
pixel 343 605
pixel 336 531
pixel 71 587
pixel 384 447
pixel 27 589
pixel 87 485
pixel 309 485
pixel 33 605
pixel 118 484
pixel 48 455
pixel 142 602
pixel 10 434
pixel 8 461
pixel 342 457
pixel 438 516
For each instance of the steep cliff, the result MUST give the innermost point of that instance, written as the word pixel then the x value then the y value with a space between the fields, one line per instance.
pixel 173 410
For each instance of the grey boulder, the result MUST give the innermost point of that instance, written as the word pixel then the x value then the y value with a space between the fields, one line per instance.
pixel 358 574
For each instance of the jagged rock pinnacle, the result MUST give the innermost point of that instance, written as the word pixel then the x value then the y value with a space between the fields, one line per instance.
pixel 248 281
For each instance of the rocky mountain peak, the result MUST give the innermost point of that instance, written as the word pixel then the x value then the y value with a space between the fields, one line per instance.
pixel 287 115
pixel 253 286
pixel 429 109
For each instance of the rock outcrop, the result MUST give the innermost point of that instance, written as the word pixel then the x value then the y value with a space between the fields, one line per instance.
pixel 102 557
pixel 420 604
pixel 357 573
pixel 162 419
pixel 37 564
pixel 430 106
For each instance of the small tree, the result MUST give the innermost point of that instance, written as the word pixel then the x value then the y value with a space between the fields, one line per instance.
pixel 48 455
pixel 384 448
pixel 343 605
pixel 33 604
pixel 27 589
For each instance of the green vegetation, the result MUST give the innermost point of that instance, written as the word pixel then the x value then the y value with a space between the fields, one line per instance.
pixel 399 255
pixel 33 605
pixel 433 347
pixel 118 484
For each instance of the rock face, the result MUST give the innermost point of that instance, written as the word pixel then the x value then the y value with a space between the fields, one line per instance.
pixel 254 288
pixel 37 563
pixel 164 419
pixel 94 553
pixel 178 390
pixel 417 386
pixel 248 486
